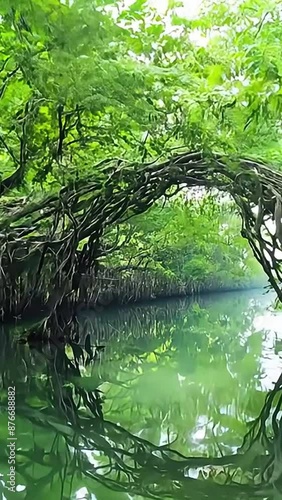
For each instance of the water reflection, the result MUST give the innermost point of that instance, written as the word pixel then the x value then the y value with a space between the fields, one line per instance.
pixel 176 379
pixel 195 371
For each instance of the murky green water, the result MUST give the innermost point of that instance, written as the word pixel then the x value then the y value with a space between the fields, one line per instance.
pixel 176 379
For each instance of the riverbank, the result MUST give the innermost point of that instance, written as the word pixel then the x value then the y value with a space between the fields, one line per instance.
pixel 111 287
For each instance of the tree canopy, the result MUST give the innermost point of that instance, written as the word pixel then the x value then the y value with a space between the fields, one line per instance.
pixel 83 80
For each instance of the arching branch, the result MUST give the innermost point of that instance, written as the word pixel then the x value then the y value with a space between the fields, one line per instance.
pixel 81 212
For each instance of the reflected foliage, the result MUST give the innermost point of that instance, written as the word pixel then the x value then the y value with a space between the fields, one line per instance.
pixel 127 419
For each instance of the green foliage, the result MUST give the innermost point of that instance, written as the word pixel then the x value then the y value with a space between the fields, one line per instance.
pixel 194 241
pixel 80 81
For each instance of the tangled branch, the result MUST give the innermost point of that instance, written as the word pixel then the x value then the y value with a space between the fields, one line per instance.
pixel 62 231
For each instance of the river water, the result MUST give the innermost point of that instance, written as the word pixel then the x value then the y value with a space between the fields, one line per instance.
pixel 169 380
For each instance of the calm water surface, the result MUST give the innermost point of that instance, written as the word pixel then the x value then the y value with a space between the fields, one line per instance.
pixel 176 379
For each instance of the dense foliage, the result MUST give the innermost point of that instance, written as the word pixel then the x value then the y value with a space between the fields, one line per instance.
pixel 193 241
pixel 83 82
